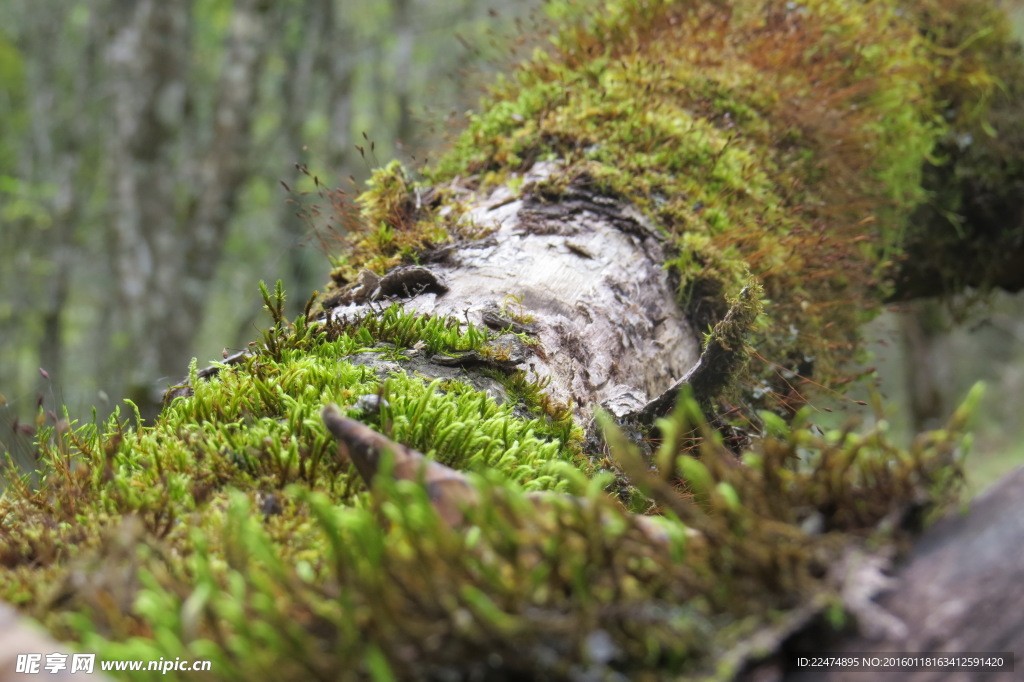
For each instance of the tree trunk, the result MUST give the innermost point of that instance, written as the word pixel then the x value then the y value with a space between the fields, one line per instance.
pixel 928 375
pixel 165 250
pixel 148 58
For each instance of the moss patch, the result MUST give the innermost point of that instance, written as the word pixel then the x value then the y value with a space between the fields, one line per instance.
pixel 255 426
pixel 783 141
pixel 235 537
pixel 790 141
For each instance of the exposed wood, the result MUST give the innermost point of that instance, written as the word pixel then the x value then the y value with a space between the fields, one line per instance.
pixel 448 489
pixel 451 492
pixel 583 277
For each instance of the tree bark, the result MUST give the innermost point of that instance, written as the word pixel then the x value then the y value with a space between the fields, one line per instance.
pixel 582 277
pixel 958 591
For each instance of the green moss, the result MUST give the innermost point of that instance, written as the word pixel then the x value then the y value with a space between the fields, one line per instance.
pixel 787 141
pixel 781 141
pixel 388 225
pixel 965 235
pixel 335 585
pixel 255 426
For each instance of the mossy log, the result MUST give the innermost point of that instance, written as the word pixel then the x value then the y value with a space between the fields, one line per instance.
pixel 599 317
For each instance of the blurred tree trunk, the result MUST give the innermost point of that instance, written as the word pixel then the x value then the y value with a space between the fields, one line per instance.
pixel 320 78
pixel 405 43
pixel 167 229
pixel 926 367
pixel 55 152
pixel 148 58
pixel 49 196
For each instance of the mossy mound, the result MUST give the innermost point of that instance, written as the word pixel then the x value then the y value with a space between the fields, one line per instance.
pixel 230 531
pixel 783 140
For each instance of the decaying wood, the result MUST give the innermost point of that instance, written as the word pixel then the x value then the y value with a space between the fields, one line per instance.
pixel 584 277
pixel 448 489
pixel 708 377
pixel 451 493
pixel 959 591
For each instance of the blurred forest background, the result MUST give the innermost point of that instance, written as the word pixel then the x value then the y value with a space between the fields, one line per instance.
pixel 143 147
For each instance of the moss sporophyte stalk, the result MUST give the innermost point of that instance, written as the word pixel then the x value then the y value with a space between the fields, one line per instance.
pixel 777 148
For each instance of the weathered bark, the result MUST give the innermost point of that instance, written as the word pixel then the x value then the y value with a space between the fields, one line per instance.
pixel 959 591
pixel 583 277
pixel 580 274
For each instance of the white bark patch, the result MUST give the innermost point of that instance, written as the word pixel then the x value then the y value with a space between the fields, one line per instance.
pixel 588 271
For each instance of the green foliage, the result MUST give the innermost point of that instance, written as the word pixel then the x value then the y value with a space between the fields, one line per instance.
pixel 149 542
